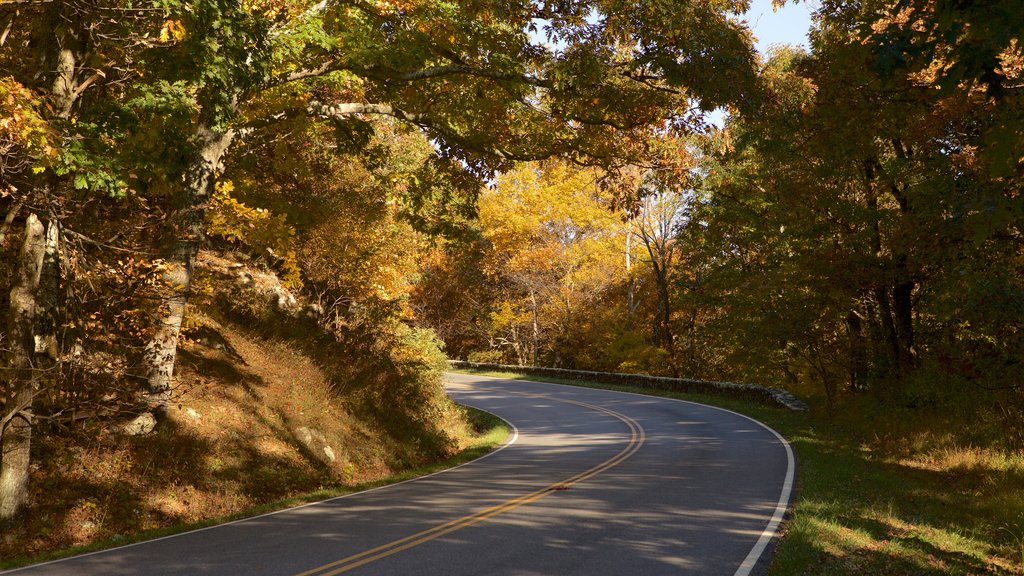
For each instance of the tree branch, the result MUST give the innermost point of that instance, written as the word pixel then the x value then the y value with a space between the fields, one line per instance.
pixel 72 235
pixel 7 30
pixel 16 412
pixel 11 215
pixel 390 75
pixel 89 82
pixel 342 111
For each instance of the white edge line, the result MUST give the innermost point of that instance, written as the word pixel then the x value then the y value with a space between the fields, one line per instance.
pixel 511 441
pixel 787 485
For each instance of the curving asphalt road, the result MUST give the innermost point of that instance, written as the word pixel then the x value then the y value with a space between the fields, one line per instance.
pixel 592 483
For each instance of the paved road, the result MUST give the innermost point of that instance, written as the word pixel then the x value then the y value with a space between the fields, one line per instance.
pixel 593 483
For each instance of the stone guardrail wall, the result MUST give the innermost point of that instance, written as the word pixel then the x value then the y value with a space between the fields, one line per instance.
pixel 763 394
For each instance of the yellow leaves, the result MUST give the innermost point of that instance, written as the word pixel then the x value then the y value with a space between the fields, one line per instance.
pixel 258 228
pixel 25 136
pixel 269 9
pixel 173 31
pixel 397 5
pixel 553 240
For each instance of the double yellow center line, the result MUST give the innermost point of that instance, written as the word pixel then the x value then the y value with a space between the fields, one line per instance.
pixel 636 440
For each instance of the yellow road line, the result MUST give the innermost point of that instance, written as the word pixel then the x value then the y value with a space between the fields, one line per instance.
pixel 636 440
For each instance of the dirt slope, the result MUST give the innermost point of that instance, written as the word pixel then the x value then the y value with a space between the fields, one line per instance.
pixel 252 423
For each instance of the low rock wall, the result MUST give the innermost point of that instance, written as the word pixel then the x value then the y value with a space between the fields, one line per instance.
pixel 755 392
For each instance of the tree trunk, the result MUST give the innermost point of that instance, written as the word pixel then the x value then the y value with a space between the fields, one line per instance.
pixel 49 300
pixel 200 180
pixel 858 350
pixel 631 282
pixel 663 333
pixel 890 361
pixel 903 312
pixel 17 426
pixel 536 327
pixel 11 215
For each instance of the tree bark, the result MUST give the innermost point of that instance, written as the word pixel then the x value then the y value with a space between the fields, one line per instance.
pixel 200 180
pixel 858 350
pixel 17 432
pixel 49 300
pixel 631 282
pixel 903 312
pixel 891 345
pixel 63 39
pixel 536 327
pixel 11 215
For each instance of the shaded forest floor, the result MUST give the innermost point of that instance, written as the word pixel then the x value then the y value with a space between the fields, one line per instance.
pixel 253 428
pixel 888 493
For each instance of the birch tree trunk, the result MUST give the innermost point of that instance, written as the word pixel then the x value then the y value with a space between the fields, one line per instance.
pixel 200 180
pixel 536 327
pixel 631 282
pixel 17 424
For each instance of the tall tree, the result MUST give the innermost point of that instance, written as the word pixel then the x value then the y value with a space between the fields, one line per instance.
pixel 553 246
pixel 657 227
pixel 470 76
pixel 855 199
pixel 59 56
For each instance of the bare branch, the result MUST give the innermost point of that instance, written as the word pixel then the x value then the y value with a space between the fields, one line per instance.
pixel 20 410
pixel 7 30
pixel 89 82
pixel 72 235
pixel 296 75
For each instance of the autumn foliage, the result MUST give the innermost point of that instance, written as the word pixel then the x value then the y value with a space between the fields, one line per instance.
pixel 386 182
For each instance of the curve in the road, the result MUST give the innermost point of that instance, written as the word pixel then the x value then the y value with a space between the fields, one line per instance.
pixel 749 564
pixel 648 486
pixel 356 560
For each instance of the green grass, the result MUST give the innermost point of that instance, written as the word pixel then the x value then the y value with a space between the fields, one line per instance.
pixel 868 507
pixel 490 432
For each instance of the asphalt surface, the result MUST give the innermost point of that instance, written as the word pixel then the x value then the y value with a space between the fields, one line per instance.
pixel 592 483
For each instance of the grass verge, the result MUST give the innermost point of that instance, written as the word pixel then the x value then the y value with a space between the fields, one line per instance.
pixel 490 431
pixel 865 505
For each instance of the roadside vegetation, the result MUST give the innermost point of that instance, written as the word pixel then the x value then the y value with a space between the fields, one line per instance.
pixel 894 498
pixel 253 429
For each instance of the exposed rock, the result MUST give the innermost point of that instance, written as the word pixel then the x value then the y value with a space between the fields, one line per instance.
pixel 284 300
pixel 264 283
pixel 309 435
pixel 314 311
pixel 315 443
pixel 141 425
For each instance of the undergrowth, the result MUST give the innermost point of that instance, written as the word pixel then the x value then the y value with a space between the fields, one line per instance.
pixel 256 426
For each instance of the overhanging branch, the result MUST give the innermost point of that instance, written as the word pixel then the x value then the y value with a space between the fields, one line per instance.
pixel 342 111
pixel 384 74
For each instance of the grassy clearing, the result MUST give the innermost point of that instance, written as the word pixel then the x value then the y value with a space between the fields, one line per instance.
pixel 887 495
